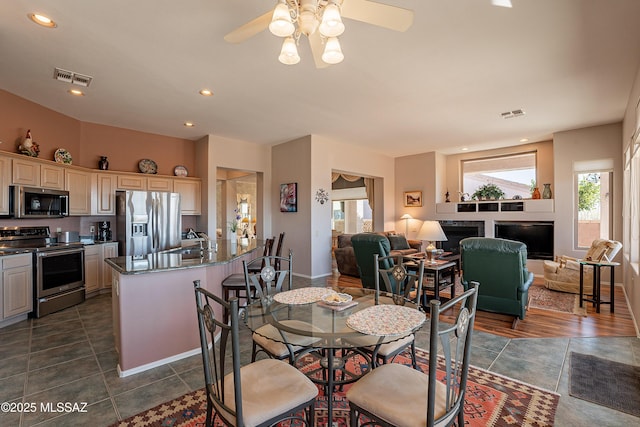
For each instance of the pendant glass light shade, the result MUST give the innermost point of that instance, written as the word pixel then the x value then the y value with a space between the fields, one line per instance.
pixel 332 52
pixel 289 53
pixel 281 24
pixel 331 25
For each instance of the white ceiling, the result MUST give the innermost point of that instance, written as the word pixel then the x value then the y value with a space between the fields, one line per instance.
pixel 441 85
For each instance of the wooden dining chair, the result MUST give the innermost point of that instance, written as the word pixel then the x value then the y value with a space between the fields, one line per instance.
pixel 397 395
pixel 260 394
pixel 234 284
pixel 261 286
pixel 401 277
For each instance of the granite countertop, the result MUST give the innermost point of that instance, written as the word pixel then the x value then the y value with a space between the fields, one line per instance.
pixel 181 258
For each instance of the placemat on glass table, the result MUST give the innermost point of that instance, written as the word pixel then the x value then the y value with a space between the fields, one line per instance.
pixel 386 319
pixel 302 295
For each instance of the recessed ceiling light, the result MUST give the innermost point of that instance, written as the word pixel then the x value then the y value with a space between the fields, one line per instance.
pixel 206 92
pixel 189 124
pixel 42 20
pixel 524 140
pixel 464 149
pixel 76 92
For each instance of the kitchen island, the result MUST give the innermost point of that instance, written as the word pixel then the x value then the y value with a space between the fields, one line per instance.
pixel 154 311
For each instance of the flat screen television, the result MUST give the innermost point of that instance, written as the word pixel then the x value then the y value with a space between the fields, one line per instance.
pixel 537 235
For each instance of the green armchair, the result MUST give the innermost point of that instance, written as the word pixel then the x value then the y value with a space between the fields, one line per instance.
pixel 500 266
pixel 365 245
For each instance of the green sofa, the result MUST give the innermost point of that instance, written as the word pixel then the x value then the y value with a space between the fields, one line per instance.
pixel 500 266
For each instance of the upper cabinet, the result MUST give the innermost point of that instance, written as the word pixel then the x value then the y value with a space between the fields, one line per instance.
pixel 103 194
pixel 190 196
pixel 132 182
pixel 78 184
pixel 35 174
pixel 156 183
pixel 5 181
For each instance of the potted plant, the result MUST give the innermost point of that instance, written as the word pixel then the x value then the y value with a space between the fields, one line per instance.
pixel 488 191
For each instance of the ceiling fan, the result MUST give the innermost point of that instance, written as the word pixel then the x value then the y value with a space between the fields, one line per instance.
pixel 320 21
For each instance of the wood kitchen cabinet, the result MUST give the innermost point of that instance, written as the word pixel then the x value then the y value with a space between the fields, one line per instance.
pixel 16 285
pixel 97 275
pixel 36 174
pixel 159 184
pixel 190 197
pixel 78 184
pixel 103 194
pixel 132 182
pixel 5 181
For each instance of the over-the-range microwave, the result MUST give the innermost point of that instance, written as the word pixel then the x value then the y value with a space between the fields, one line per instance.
pixel 33 202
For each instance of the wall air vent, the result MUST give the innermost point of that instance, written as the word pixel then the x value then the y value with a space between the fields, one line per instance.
pixel 71 77
pixel 512 113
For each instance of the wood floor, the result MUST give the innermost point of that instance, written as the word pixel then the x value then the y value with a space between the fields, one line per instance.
pixel 546 323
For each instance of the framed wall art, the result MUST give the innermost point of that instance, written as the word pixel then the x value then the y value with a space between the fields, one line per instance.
pixel 289 197
pixel 413 198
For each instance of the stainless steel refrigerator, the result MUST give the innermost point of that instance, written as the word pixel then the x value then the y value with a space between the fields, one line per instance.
pixel 147 222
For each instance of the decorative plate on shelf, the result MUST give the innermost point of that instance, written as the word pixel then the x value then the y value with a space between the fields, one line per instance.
pixel 180 171
pixel 147 166
pixel 62 156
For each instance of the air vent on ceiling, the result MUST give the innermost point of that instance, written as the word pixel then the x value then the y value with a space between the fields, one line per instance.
pixel 71 77
pixel 513 113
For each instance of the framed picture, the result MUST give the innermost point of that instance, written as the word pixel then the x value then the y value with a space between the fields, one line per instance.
pixel 413 198
pixel 289 197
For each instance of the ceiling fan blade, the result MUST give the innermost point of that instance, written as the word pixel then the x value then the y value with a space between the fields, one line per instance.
pixel 249 29
pixel 382 15
pixel 317 48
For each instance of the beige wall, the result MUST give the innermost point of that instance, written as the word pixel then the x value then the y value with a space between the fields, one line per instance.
pixel 88 141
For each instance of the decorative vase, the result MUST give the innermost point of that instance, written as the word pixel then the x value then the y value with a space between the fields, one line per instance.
pixel 546 191
pixel 535 194
pixel 103 164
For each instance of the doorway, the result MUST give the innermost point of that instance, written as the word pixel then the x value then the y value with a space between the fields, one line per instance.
pixel 237 207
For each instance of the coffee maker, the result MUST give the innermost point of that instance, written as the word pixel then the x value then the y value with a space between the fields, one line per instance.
pixel 104 231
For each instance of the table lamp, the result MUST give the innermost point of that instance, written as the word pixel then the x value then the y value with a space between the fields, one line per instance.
pixel 406 218
pixel 432 232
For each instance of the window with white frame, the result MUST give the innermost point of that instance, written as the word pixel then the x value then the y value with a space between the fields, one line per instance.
pixel 515 174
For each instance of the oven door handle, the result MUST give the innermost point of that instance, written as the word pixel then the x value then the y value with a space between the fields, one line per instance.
pixel 60 252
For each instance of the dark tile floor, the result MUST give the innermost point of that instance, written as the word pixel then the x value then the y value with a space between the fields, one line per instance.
pixel 69 356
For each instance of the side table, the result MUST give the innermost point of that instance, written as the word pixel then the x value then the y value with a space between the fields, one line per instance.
pixel 596 299
pixel 438 270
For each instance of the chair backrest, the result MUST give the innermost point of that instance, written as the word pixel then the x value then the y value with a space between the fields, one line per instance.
pixel 279 249
pixel 500 265
pixel 453 341
pixel 268 246
pixel 210 309
pixel 365 245
pixel 401 276
pixel 274 275
pixel 603 250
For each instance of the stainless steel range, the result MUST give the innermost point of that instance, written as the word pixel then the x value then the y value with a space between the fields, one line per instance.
pixel 58 268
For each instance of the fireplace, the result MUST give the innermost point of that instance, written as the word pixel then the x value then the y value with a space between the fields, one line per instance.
pixel 537 235
pixel 458 230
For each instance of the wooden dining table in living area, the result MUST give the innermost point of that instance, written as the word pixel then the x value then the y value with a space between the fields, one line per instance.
pixel 337 328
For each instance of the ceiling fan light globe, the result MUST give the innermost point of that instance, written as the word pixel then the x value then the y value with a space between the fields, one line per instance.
pixel 281 24
pixel 332 51
pixel 289 53
pixel 331 25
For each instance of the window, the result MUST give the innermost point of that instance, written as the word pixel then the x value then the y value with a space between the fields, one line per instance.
pixel 351 216
pixel 515 174
pixel 593 206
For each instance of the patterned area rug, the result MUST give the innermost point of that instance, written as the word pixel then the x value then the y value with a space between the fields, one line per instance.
pixel 491 400
pixel 545 299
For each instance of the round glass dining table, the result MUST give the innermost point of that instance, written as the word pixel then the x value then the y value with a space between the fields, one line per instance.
pixel 334 332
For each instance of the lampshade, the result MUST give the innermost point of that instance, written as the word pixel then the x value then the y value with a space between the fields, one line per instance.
pixel 431 231
pixel 332 51
pixel 281 24
pixel 289 53
pixel 406 216
pixel 331 25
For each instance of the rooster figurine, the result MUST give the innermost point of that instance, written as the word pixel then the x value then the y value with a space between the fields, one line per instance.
pixel 28 146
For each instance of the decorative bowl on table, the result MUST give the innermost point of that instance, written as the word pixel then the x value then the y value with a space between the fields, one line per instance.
pixel 336 298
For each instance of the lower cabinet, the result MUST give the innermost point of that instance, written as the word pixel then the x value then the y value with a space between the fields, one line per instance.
pixel 97 275
pixel 16 286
